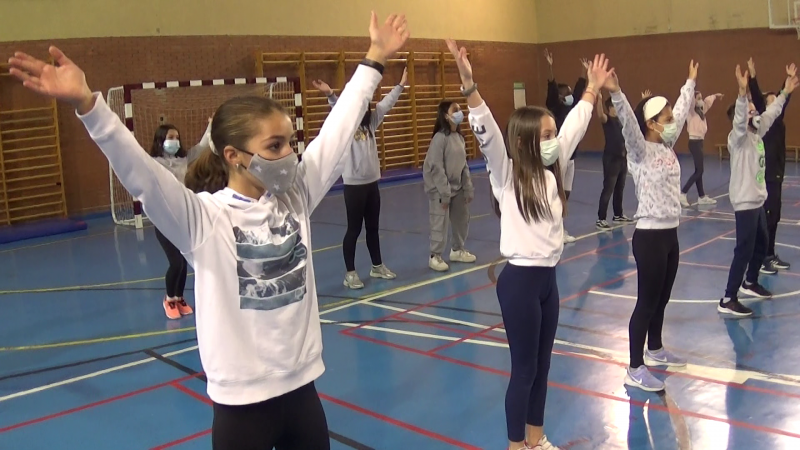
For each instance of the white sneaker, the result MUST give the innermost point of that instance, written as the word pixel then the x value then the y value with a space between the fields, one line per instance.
pixel 462 256
pixel 684 201
pixel 706 200
pixel 568 239
pixel 382 272
pixel 352 281
pixel 544 444
pixel 437 263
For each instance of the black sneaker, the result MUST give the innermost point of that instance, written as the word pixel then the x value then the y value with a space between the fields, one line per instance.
pixel 769 266
pixel 622 218
pixel 732 306
pixel 602 225
pixel 754 290
pixel 778 263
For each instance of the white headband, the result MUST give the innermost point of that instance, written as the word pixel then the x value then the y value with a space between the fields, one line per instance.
pixel 654 106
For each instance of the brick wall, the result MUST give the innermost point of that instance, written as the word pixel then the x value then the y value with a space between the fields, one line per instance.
pixel 110 62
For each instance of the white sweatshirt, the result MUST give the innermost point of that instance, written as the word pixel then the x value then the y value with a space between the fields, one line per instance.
pixel 747 187
pixel 257 316
pixel 654 167
pixel 535 243
pixel 362 165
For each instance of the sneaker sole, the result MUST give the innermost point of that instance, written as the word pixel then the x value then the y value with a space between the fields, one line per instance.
pixel 782 267
pixel 384 277
pixel 767 272
pixel 649 362
pixel 630 382
pixel 735 313
pixel 752 293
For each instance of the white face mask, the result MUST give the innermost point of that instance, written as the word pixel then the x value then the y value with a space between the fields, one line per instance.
pixel 670 132
pixel 569 100
pixel 549 151
pixel 172 146
pixel 457 117
pixel 755 122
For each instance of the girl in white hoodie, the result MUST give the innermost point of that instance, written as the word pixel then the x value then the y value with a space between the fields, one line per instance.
pixel 257 317
pixel 526 179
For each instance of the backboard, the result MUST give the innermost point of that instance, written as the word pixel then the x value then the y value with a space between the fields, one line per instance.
pixel 784 15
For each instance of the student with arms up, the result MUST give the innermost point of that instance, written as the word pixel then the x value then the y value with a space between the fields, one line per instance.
pixel 258 323
pixel 528 192
pixel 615 164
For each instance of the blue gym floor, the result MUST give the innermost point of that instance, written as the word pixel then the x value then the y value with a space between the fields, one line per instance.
pixel 88 360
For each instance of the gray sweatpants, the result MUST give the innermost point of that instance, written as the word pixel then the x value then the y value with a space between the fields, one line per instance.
pixel 455 216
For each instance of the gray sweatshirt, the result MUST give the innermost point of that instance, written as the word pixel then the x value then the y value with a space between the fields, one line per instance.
pixel 361 164
pixel 747 187
pixel 445 171
pixel 177 166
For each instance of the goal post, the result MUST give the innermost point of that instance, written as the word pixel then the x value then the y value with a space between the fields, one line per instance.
pixel 187 105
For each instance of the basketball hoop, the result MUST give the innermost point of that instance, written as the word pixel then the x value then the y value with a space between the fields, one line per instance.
pixel 796 25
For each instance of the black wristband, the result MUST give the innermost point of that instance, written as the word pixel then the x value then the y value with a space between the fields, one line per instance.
pixel 374 64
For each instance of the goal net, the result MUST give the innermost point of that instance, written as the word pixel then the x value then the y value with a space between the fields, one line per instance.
pixel 187 106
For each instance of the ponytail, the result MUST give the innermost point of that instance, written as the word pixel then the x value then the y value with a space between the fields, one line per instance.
pixel 207 174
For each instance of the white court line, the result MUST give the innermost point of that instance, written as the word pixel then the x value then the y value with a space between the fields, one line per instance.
pixel 672 300
pixel 91 375
pixel 777 243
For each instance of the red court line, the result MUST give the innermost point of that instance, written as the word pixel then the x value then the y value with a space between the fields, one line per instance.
pixel 194 394
pixel 584 391
pixel 182 440
pixel 398 423
pixel 92 405
pixel 446 328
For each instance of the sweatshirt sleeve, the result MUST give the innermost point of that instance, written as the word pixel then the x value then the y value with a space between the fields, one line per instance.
pixel 573 130
pixel 197 150
pixel 580 88
pixel 385 105
pixel 434 164
pixel 332 99
pixel 758 98
pixel 173 209
pixel 708 103
pixel 739 132
pixel 466 182
pixel 552 101
pixel 320 167
pixel 682 107
pixel 772 113
pixel 634 139
pixel 493 147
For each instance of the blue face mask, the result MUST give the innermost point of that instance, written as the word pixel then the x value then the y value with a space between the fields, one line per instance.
pixel 172 146
pixel 569 100
pixel 457 117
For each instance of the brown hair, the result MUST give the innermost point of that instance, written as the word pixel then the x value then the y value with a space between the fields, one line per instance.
pixel 157 148
pixel 234 124
pixel 528 171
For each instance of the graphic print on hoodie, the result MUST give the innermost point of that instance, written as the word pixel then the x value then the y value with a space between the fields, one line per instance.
pixel 271 266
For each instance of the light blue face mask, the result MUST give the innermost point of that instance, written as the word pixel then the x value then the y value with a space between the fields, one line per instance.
pixel 172 146
pixel 549 151
pixel 457 117
pixel 569 100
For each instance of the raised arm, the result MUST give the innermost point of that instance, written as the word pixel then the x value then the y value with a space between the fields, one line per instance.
pixel 685 102
pixel 600 109
pixel 755 92
pixel 488 133
pixel 389 100
pixel 201 146
pixel 577 121
pixel 741 112
pixel 775 109
pixel 634 139
pixel 176 211
pixel 321 166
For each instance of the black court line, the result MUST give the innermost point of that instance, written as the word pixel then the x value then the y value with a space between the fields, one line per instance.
pixel 89 361
pixel 189 371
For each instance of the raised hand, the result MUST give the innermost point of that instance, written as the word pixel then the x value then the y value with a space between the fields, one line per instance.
pixel 790 85
pixel 548 56
pixel 585 64
pixel 463 64
pixel 647 93
pixel 612 82
pixel 322 87
pixel 693 70
pixel 65 81
pixel 719 96
pixel 404 78
pixel 742 78
pixel 598 72
pixel 791 70
pixel 387 38
pixel 751 67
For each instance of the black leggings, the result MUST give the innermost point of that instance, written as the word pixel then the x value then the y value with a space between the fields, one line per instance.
pixel 293 421
pixel 696 148
pixel 363 203
pixel 657 254
pixel 615 169
pixel 529 302
pixel 175 278
pixel 773 209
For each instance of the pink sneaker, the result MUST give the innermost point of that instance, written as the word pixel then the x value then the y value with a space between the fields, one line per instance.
pixel 171 308
pixel 184 308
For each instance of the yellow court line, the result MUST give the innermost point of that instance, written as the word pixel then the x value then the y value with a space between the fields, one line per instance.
pixel 96 340
pixel 44 244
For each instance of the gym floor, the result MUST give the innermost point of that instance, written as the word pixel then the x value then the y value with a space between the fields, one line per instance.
pixel 88 360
